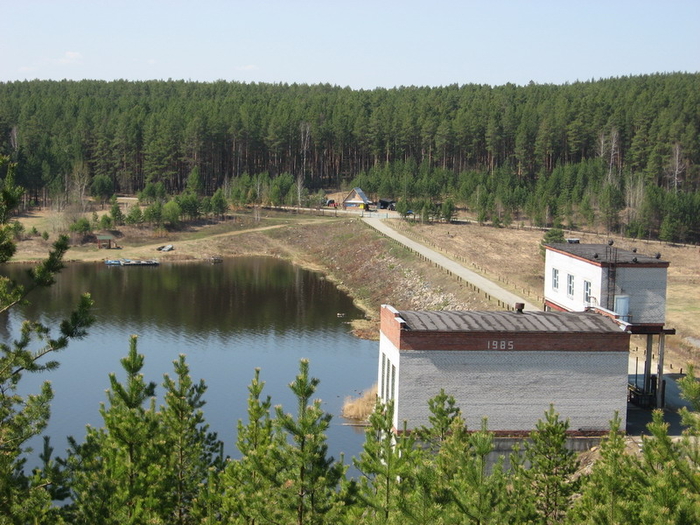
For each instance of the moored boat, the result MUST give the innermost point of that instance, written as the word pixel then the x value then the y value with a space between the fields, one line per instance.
pixel 139 262
pixel 131 262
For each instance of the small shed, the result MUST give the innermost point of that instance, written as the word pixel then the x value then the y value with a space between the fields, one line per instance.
pixel 505 366
pixel 106 240
pixel 356 199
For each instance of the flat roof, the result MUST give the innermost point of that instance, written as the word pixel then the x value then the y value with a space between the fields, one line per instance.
pixel 506 321
pixel 606 254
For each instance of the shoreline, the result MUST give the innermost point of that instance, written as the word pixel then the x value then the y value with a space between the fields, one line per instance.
pixel 370 268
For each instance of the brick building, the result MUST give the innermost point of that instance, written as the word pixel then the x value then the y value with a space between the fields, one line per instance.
pixel 506 366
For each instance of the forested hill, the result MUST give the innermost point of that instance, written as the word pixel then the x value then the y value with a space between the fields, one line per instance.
pixel 620 153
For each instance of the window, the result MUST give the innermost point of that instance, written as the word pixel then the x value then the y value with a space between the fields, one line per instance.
pixel 383 378
pixel 570 285
pixel 387 380
pixel 587 291
pixel 555 279
pixel 393 382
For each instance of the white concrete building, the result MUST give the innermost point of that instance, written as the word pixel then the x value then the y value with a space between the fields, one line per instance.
pixel 625 285
pixel 505 366
pixel 628 285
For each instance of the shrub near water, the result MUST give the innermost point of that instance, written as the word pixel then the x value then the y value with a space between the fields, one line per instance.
pixel 361 407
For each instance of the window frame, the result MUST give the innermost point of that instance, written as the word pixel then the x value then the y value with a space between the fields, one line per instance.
pixel 570 285
pixel 587 291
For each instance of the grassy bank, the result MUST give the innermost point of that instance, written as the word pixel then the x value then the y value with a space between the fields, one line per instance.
pixel 374 270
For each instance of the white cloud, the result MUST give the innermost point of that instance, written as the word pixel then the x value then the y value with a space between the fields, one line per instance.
pixel 70 57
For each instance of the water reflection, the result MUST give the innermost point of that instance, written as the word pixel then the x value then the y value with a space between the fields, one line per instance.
pixel 228 319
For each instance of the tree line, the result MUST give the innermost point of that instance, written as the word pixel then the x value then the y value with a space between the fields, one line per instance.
pixel 622 154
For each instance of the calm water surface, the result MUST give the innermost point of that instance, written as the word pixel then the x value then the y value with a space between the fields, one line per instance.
pixel 227 318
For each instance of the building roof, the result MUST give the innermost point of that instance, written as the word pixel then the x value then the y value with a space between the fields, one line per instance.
pixel 605 254
pixel 506 321
pixel 360 194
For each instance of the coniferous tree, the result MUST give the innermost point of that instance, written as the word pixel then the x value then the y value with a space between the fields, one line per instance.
pixel 477 491
pixel 192 453
pixel 308 479
pixel 426 498
pixel 101 188
pixel 608 494
pixel 443 413
pixel 219 206
pixel 135 216
pixel 249 495
pixel 115 212
pixel 668 473
pixel 549 477
pixel 117 475
pixel 27 498
pixel 385 465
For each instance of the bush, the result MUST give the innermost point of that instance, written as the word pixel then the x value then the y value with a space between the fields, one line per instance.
pixel 82 225
pixel 17 230
pixel 106 222
pixel 552 235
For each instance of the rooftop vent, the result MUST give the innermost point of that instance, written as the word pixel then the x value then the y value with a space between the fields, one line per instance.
pixel 519 307
pixel 610 242
pixel 658 255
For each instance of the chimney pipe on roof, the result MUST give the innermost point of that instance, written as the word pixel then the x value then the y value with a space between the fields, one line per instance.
pixel 519 307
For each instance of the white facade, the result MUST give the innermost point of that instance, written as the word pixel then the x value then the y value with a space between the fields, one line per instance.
pixel 512 389
pixel 637 292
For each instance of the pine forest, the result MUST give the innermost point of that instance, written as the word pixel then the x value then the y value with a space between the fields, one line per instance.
pixel 619 154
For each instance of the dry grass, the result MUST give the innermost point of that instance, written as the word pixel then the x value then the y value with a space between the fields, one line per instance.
pixel 375 271
pixel 359 408
pixel 511 257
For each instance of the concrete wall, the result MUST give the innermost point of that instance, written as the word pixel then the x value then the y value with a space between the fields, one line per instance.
pixel 645 286
pixel 582 271
pixel 511 389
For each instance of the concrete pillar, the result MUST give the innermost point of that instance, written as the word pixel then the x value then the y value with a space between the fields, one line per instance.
pixel 660 372
pixel 647 364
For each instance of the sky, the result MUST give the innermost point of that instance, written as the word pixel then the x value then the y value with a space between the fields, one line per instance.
pixel 361 44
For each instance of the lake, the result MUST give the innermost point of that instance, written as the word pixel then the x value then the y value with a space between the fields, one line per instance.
pixel 227 318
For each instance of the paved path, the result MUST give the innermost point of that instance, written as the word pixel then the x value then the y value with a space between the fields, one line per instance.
pixel 483 284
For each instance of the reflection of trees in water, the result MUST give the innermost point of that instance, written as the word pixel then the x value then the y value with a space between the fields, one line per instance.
pixel 240 294
pixel 5 326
